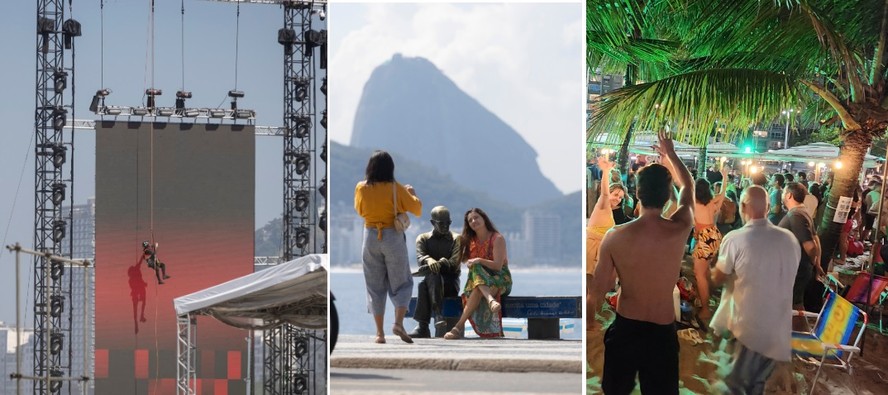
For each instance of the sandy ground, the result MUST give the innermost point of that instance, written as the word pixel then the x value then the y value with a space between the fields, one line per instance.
pixel 702 367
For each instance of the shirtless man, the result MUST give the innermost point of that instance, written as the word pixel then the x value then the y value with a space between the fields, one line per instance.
pixel 646 255
pixel 707 236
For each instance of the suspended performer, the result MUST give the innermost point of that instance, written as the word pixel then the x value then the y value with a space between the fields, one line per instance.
pixel 149 255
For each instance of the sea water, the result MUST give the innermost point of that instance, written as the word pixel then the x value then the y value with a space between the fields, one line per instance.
pixel 351 299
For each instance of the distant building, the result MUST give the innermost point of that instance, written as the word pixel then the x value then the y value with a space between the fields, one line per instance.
pixel 346 235
pixel 543 234
pixel 83 236
pixel 83 231
pixel 8 365
pixel 600 84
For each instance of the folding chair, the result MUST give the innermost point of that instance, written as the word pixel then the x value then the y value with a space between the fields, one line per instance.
pixel 830 343
pixel 877 293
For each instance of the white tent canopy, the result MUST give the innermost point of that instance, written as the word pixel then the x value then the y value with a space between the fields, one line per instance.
pixel 814 152
pixel 294 292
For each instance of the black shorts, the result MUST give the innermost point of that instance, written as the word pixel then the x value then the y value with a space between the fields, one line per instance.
pixel 638 347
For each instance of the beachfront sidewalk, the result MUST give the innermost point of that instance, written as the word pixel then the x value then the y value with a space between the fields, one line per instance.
pixel 497 355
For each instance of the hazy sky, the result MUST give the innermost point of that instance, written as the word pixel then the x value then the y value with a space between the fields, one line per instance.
pixel 524 62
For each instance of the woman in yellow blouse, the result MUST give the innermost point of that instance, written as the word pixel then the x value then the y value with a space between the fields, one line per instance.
pixel 386 266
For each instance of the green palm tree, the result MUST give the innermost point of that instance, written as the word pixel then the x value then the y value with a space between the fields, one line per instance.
pixel 620 41
pixel 742 62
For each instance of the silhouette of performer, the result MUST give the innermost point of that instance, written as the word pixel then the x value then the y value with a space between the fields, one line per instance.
pixel 137 291
pixel 149 254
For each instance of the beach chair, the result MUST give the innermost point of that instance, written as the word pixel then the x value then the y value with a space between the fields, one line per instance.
pixel 830 343
pixel 876 296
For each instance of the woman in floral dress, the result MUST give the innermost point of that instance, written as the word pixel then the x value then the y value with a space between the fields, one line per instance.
pixel 483 249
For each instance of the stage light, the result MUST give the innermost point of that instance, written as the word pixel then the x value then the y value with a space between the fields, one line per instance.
pixel 324 86
pixel 70 29
pixel 302 237
pixel 302 127
pixel 58 230
pixel 58 118
pixel 838 164
pixel 59 155
pixel 324 152
pixel 811 164
pixel 747 149
pixel 99 98
pixel 302 162
pixel 287 37
pixel 180 100
pixel 322 188
pixel 191 112
pixel 753 169
pixel 322 220
pixel 301 91
pixel 113 110
pixel 55 386
pixel 821 164
pixel 324 119
pixel 58 193
pixel 166 111
pixel 314 38
pixel 217 113
pixel 56 270
pixel 300 347
pixel 56 341
pixel 244 114
pixel 44 27
pixel 302 201
pixel 56 305
pixel 300 384
pixel 60 81
pixel 151 92
pixel 140 111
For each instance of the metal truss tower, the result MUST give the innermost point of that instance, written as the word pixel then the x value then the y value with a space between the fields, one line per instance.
pixel 52 225
pixel 289 365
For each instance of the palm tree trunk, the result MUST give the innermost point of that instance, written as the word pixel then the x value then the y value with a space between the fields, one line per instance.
pixel 845 182
pixel 701 161
pixel 623 157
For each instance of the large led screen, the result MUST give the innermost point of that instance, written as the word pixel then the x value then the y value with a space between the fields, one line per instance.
pixel 190 189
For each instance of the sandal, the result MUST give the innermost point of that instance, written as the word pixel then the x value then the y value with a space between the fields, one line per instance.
pixel 691 335
pixel 399 330
pixel 454 334
pixel 495 306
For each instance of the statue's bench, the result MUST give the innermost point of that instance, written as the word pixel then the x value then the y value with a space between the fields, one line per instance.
pixel 542 312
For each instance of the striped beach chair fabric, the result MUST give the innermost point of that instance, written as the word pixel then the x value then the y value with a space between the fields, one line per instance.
pixel 831 342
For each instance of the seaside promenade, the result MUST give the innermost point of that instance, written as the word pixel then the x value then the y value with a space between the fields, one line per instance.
pixel 432 366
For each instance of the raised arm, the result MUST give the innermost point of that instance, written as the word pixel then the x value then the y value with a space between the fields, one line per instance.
pixel 605 165
pixel 717 200
pixel 681 175
pixel 602 206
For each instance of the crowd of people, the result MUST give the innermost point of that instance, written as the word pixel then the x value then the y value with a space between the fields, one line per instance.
pixel 383 203
pixel 754 236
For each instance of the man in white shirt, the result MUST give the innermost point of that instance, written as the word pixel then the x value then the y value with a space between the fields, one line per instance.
pixel 759 263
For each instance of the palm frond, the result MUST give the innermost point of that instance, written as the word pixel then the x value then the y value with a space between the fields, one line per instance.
pixel 689 104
